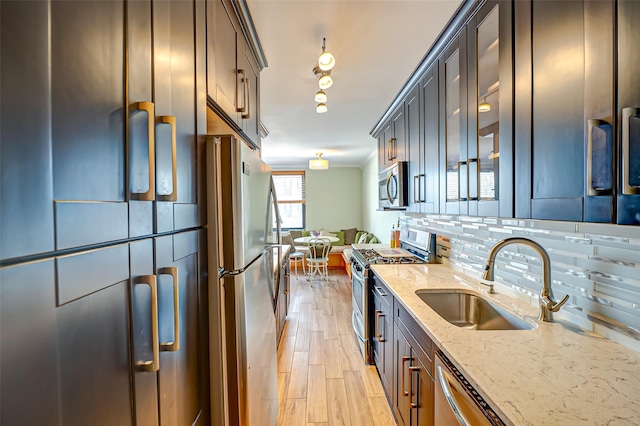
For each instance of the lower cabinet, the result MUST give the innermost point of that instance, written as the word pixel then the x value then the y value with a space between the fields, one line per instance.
pixel 111 336
pixel 413 402
pixel 403 355
pixel 382 340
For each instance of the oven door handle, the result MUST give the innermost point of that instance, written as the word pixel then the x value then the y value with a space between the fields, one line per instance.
pixel 355 327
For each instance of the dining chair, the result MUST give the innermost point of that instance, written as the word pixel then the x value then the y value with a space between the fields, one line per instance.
pixel 318 258
pixel 294 256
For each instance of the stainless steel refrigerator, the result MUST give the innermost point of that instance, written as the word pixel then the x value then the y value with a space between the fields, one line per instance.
pixel 242 322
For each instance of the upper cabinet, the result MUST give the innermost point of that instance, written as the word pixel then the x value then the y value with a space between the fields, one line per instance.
pixel 234 63
pixel 538 113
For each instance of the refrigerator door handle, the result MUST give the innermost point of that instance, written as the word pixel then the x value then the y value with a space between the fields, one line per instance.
pixel 230 273
pixel 154 364
pixel 175 345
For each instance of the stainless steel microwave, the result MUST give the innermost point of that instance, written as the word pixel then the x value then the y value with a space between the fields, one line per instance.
pixel 393 186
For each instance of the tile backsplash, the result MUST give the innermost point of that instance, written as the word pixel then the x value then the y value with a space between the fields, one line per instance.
pixel 597 265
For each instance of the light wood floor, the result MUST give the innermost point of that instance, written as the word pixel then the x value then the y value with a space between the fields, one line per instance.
pixel 322 378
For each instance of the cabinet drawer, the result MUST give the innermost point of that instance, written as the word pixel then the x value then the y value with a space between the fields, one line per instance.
pixel 416 336
pixel 381 291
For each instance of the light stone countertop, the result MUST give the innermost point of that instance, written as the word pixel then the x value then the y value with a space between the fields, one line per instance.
pixel 555 374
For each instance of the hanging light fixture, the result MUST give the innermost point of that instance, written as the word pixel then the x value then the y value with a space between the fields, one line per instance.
pixel 324 78
pixel 326 61
pixel 484 106
pixel 318 163
pixel 322 107
pixel 321 96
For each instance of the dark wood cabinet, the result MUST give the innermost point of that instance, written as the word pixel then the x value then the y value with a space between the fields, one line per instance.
pixel 628 113
pixel 549 116
pixel 415 151
pixel 413 403
pixel 454 193
pixel 429 183
pixel 386 147
pixel 382 332
pixel 249 92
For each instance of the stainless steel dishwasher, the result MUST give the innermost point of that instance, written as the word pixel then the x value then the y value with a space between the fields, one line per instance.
pixel 456 402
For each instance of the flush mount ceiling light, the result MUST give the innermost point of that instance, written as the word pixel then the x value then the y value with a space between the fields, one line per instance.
pixel 326 61
pixel 318 163
pixel 322 107
pixel 321 96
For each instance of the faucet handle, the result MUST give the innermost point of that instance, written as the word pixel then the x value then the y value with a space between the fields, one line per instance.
pixel 555 307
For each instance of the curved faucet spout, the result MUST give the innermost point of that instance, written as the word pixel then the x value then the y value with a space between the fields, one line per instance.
pixel 547 305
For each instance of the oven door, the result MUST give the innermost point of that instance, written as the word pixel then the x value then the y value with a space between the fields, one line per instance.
pixel 359 318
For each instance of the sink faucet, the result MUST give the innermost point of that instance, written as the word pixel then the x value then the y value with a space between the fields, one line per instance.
pixel 547 305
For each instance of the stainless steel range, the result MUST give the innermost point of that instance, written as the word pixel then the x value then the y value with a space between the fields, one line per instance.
pixel 416 247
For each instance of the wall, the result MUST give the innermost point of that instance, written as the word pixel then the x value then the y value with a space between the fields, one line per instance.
pixel 378 222
pixel 333 198
pixel 597 265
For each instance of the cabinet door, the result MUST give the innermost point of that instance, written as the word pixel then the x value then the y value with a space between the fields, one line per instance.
pixel 628 208
pixel 223 59
pixel 382 345
pixel 415 152
pixel 403 361
pixel 453 106
pixel 28 344
pixel 92 317
pixel 399 131
pixel 489 163
pixel 421 393
pixel 430 190
pixel 26 207
pixel 175 108
pixel 388 146
pixel 87 122
pixel 177 265
pixel 249 93
pixel 550 114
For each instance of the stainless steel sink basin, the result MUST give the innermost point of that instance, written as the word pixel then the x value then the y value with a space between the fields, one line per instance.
pixel 468 310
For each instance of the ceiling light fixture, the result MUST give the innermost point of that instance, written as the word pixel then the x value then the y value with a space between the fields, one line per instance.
pixel 318 163
pixel 484 106
pixel 321 96
pixel 322 107
pixel 326 61
pixel 324 78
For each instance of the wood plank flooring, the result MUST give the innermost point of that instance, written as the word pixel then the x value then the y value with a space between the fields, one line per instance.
pixel 322 378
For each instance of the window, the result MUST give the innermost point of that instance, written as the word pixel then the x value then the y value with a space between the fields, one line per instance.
pixel 290 190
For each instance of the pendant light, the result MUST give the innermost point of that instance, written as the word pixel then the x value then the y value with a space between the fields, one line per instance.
pixel 318 163
pixel 322 107
pixel 326 61
pixel 321 96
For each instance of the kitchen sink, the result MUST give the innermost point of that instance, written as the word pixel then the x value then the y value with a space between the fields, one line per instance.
pixel 465 309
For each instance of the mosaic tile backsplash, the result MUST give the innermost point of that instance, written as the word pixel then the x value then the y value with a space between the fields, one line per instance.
pixel 597 265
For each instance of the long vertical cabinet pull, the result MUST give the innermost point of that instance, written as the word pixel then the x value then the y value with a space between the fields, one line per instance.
pixel 463 178
pixel 175 345
pixel 600 152
pixel 627 187
pixel 378 326
pixel 243 79
pixel 391 149
pixel 405 392
pixel 153 365
pixel 171 120
pixel 472 170
pixel 149 108
pixel 411 403
pixel 247 97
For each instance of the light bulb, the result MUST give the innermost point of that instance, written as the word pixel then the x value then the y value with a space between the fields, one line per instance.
pixel 326 61
pixel 321 96
pixel 321 108
pixel 325 81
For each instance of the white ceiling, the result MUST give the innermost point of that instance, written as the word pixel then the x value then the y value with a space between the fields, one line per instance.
pixel 376 43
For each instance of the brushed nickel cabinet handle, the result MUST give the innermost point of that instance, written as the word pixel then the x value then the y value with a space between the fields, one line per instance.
pixel 592 125
pixel 154 364
pixel 175 345
pixel 404 360
pixel 247 97
pixel 391 149
pixel 411 403
pixel 379 291
pixel 149 108
pixel 244 92
pixel 377 325
pixel 171 120
pixel 627 188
